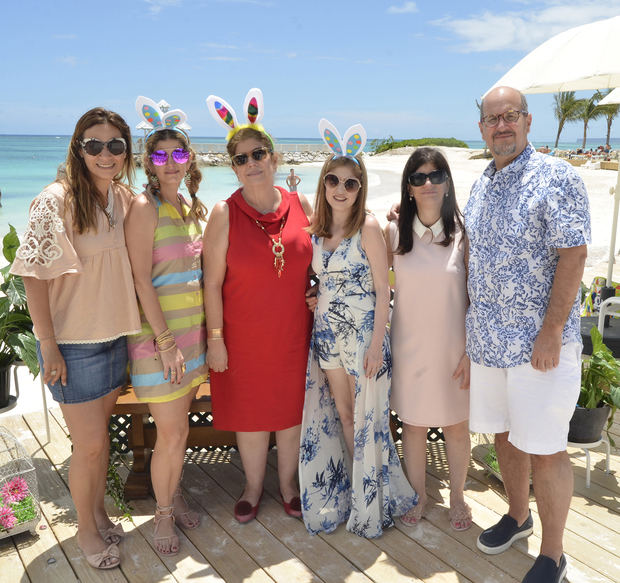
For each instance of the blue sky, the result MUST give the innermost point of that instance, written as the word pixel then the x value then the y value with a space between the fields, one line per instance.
pixel 407 69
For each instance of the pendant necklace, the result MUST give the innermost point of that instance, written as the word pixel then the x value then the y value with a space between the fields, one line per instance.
pixel 277 247
pixel 109 210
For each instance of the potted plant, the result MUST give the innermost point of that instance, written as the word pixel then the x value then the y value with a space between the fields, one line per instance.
pixel 17 342
pixel 599 396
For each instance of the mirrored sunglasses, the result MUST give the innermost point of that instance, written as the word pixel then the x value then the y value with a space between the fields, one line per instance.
pixel 351 185
pixel 93 146
pixel 160 157
pixel 419 178
pixel 258 154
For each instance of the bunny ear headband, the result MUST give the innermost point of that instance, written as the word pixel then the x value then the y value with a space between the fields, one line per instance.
pixel 352 144
pixel 158 120
pixel 224 114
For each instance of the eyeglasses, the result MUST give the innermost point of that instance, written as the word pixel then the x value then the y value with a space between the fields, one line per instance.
pixel 258 154
pixel 160 157
pixel 510 116
pixel 419 178
pixel 93 146
pixel 351 185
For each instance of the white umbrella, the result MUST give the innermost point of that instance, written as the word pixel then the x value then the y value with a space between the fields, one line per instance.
pixel 612 98
pixel 586 57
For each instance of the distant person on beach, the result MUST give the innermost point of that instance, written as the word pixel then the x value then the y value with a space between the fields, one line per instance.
pixel 427 248
pixel 349 469
pixel 168 361
pixel 82 301
pixel 256 257
pixel 292 181
pixel 528 224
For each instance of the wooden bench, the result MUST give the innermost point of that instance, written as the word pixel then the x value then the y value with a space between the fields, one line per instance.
pixel 142 435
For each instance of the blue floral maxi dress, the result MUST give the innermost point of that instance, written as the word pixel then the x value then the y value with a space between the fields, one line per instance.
pixel 370 493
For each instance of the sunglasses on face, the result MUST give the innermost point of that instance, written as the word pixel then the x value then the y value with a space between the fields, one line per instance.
pixel 351 185
pixel 258 154
pixel 93 146
pixel 419 178
pixel 160 157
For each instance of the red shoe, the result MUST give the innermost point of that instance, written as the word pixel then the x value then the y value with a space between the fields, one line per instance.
pixel 245 512
pixel 292 508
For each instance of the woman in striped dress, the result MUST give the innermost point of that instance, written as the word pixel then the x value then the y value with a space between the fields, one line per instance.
pixel 168 356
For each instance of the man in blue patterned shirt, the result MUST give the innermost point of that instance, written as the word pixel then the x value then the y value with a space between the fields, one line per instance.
pixel 528 224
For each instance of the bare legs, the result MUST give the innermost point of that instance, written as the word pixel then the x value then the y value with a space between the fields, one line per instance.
pixel 458 451
pixel 414 452
pixel 167 461
pixel 88 427
pixel 342 387
pixel 552 478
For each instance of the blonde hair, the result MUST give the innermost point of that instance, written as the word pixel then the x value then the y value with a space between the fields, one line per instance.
pixel 323 212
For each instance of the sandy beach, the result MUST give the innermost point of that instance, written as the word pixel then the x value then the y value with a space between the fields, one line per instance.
pixel 384 182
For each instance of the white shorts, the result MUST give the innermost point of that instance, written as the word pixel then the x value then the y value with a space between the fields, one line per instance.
pixel 534 407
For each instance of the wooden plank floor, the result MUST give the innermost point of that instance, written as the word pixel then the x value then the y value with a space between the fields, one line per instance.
pixel 277 548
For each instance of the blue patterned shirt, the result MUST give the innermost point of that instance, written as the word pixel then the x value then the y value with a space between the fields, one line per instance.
pixel 516 218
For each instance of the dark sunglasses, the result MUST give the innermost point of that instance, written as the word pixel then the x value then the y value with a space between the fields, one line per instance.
pixel 351 185
pixel 160 157
pixel 419 178
pixel 258 154
pixel 93 146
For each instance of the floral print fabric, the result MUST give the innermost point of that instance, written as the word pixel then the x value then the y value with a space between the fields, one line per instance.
pixel 371 491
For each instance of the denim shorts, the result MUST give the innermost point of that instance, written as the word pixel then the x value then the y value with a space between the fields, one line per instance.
pixel 93 370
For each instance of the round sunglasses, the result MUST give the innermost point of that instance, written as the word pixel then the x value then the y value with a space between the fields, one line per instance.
pixel 160 157
pixel 257 154
pixel 94 146
pixel 351 185
pixel 419 178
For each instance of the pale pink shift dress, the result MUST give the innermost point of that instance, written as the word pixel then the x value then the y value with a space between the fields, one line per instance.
pixel 428 328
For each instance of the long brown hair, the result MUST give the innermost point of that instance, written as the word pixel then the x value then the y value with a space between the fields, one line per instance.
pixel 321 224
pixel 450 213
pixel 83 196
pixel 198 210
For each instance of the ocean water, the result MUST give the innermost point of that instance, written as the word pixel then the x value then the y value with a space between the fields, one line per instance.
pixel 29 163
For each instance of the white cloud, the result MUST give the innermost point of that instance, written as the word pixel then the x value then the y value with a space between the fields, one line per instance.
pixel 405 7
pixel 68 60
pixel 156 6
pixel 525 29
pixel 220 46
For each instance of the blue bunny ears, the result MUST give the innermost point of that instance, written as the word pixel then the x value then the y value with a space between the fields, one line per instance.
pixel 352 144
pixel 152 114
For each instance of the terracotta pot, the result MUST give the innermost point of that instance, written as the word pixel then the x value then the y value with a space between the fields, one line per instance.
pixel 586 425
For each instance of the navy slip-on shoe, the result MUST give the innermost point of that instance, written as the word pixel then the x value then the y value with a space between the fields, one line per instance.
pixel 500 536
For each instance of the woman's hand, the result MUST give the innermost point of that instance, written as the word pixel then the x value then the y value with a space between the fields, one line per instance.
pixel 462 370
pixel 54 366
pixel 173 364
pixel 217 356
pixel 311 297
pixel 373 359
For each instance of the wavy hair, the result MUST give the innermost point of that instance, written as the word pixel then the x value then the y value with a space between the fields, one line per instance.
pixel 323 212
pixel 83 196
pixel 198 210
pixel 450 213
pixel 251 134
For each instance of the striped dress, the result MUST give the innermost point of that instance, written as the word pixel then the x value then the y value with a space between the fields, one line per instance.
pixel 177 278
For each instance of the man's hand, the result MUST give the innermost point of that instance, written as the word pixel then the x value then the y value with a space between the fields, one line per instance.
pixel 546 352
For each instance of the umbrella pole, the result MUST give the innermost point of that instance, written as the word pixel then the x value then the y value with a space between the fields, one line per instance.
pixel 609 291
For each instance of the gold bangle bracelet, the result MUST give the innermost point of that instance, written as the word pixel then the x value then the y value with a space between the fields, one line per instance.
pixel 215 333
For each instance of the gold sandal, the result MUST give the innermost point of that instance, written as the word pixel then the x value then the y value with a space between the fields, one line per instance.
pixel 168 545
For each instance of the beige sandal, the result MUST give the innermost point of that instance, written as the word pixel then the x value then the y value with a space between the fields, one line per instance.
pixel 188 519
pixel 460 517
pixel 414 515
pixel 107 559
pixel 113 534
pixel 166 546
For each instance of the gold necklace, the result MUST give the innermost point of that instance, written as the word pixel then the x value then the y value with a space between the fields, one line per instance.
pixel 277 247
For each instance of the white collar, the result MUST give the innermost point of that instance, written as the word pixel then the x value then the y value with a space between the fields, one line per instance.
pixel 420 228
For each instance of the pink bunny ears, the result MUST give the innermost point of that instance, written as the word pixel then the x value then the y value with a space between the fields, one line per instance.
pixel 225 115
pixel 152 114
pixel 352 144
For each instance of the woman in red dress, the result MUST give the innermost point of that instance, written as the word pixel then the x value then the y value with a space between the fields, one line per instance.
pixel 256 258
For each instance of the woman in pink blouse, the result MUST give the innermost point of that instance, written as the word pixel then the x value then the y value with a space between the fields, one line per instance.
pixel 81 298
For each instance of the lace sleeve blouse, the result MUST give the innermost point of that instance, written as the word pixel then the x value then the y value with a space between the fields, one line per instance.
pixel 90 285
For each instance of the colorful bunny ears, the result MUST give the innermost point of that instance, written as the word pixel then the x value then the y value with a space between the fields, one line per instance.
pixel 158 120
pixel 225 115
pixel 352 144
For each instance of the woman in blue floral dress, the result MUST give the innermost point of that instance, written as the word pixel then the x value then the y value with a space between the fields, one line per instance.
pixel 349 469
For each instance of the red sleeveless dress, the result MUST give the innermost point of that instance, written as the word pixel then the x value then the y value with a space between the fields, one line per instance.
pixel 266 322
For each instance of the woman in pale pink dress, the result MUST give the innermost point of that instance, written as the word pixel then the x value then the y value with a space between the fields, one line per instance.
pixel 427 248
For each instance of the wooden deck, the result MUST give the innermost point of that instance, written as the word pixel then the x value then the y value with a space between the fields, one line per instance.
pixel 277 548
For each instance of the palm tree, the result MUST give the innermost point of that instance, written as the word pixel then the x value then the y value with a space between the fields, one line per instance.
pixel 588 111
pixel 565 108
pixel 609 111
